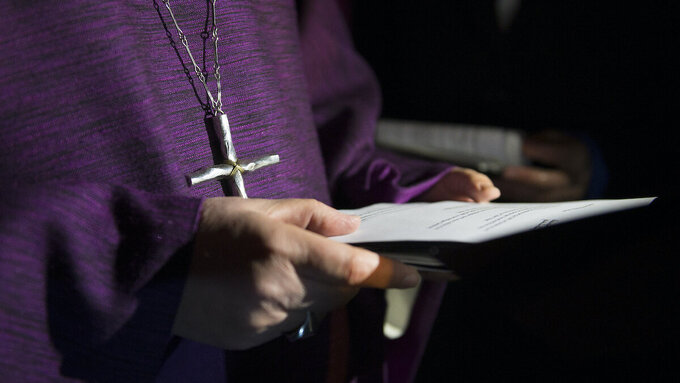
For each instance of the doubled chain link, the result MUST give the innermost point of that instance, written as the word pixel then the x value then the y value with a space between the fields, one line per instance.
pixel 215 103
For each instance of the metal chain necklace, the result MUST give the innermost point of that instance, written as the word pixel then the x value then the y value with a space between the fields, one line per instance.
pixel 228 166
pixel 215 104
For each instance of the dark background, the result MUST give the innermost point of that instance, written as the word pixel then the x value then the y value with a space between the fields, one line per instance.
pixel 604 68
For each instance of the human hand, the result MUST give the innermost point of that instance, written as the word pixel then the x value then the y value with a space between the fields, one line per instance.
pixel 260 265
pixel 565 177
pixel 462 184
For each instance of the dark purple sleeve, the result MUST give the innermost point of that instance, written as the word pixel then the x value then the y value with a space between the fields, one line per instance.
pixel 91 278
pixel 346 105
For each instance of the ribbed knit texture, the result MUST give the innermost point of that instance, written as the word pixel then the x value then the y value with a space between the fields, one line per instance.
pixel 99 125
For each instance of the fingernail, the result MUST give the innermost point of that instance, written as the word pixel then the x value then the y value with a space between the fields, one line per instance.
pixel 353 220
pixel 368 264
pixel 411 280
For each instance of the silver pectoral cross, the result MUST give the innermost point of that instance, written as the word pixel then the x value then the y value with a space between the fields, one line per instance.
pixel 229 167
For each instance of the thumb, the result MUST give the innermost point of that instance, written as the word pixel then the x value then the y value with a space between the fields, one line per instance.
pixel 327 260
pixel 314 216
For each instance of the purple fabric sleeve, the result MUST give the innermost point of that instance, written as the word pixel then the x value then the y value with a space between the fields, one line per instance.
pixel 346 104
pixel 94 267
pixel 92 272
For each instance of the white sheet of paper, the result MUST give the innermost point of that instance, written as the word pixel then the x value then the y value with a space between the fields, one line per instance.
pixel 471 222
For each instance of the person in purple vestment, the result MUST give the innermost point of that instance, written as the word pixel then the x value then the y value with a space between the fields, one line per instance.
pixel 97 226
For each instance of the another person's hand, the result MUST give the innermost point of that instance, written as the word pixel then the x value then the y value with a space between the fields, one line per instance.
pixel 565 175
pixel 462 184
pixel 260 265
